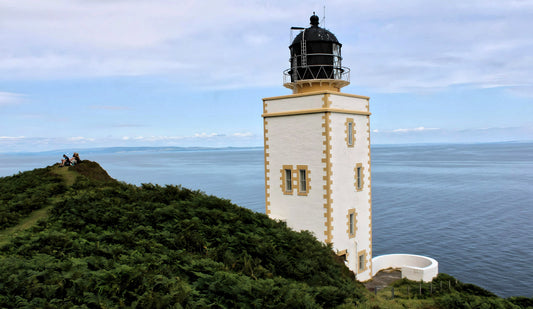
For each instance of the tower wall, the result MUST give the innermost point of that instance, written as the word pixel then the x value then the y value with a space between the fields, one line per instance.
pixel 294 139
pixel 347 196
pixel 310 131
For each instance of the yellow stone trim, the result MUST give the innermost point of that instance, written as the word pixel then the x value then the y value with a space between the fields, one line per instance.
pixel 309 85
pixel 328 202
pixel 361 181
pixel 347 132
pixel 322 85
pixel 315 93
pixel 359 269
pixel 351 211
pixel 369 196
pixel 307 179
pixel 283 179
pixel 265 106
pixel 326 100
pixel 267 167
pixel 315 111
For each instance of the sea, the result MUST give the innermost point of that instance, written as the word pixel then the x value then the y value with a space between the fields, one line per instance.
pixel 469 206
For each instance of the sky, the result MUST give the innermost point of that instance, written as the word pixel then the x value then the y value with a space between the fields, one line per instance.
pixel 101 73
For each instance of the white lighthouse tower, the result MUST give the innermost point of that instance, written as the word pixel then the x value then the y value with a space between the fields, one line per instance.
pixel 317 151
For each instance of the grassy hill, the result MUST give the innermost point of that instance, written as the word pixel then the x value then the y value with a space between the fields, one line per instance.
pixel 75 237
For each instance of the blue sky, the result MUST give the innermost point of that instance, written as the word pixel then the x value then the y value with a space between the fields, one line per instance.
pixel 82 74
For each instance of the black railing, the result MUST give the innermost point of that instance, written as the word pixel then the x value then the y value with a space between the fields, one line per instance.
pixel 319 71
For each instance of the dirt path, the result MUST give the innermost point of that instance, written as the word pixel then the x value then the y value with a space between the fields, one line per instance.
pixel 7 234
pixel 24 224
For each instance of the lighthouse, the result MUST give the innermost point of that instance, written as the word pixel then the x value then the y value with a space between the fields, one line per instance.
pixel 317 151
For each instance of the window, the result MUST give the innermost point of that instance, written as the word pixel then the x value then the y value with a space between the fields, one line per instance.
pixel 359 177
pixel 286 179
pixel 350 132
pixel 303 179
pixel 361 262
pixel 295 179
pixel 351 222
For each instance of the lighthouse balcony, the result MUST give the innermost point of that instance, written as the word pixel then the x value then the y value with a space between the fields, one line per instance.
pixel 312 74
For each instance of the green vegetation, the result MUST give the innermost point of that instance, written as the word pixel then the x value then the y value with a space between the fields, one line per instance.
pixel 110 244
pixel 78 238
pixel 25 192
pixel 443 292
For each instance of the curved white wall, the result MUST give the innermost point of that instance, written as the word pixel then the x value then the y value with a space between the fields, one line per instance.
pixel 413 267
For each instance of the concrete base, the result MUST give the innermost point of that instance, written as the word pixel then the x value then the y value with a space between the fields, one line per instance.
pixel 413 267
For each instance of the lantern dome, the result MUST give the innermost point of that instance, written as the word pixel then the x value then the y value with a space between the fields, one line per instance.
pixel 315 57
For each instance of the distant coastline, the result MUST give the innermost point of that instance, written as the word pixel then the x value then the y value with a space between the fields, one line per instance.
pixel 131 149
pixel 228 148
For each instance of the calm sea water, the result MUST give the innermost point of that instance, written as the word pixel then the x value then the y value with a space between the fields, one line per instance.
pixel 468 206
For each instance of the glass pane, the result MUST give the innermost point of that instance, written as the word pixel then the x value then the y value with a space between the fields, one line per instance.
pixel 350 133
pixel 351 224
pixel 358 178
pixel 288 179
pixel 303 181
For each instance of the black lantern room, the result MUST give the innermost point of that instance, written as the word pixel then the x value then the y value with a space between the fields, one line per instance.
pixel 315 55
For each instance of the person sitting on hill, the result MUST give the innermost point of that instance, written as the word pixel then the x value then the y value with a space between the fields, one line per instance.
pixel 66 161
pixel 75 158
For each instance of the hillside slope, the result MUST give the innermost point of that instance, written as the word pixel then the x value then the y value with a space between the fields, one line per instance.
pixel 109 244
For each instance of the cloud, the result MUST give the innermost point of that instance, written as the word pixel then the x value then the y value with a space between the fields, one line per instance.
pixel 243 134
pixel 80 139
pixel 158 138
pixel 471 135
pixel 392 46
pixel 417 45
pixel 7 98
pixel 419 129
pixel 163 138
pixel 188 40
pixel 405 130
pixel 207 135
pixel 11 138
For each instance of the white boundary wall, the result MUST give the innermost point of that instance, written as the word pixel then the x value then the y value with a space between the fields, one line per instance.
pixel 413 267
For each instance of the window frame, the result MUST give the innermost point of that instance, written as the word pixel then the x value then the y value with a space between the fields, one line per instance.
pixel 359 177
pixel 350 132
pixel 361 267
pixel 305 170
pixel 287 179
pixel 351 223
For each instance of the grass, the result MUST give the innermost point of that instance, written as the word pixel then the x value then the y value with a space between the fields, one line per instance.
pixel 69 177
pixel 25 224
pixel 69 174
